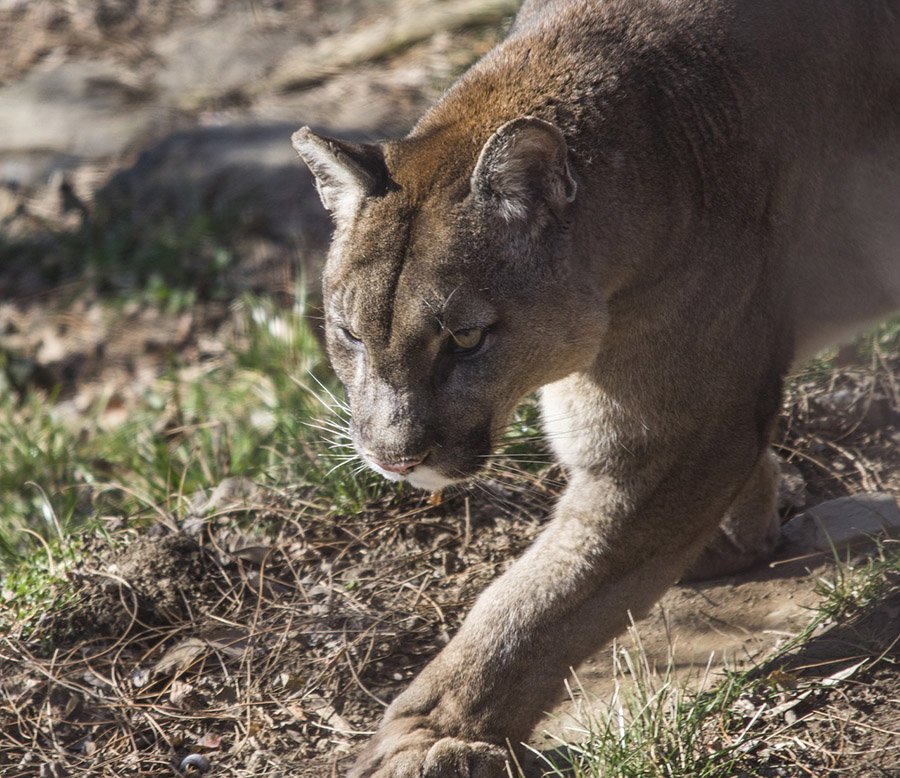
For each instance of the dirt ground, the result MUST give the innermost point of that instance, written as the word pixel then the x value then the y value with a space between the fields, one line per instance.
pixel 276 649
pixel 851 728
pixel 260 635
pixel 265 638
pixel 701 630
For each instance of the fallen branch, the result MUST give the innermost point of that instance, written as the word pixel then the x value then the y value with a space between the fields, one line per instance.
pixel 304 65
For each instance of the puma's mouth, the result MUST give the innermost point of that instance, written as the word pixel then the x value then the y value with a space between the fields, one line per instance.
pixel 430 469
pixel 414 471
pixel 419 476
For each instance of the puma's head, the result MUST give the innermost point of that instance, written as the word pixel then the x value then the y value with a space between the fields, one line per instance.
pixel 451 289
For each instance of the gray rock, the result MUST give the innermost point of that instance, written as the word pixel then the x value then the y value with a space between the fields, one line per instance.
pixel 230 494
pixel 791 487
pixel 248 174
pixel 843 523
pixel 55 117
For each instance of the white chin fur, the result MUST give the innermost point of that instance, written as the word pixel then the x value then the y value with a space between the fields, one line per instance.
pixel 422 477
pixel 429 479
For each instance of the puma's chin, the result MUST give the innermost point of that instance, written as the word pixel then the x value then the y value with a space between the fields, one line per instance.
pixel 421 477
pixel 429 479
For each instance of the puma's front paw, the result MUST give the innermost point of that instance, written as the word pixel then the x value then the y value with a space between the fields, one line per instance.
pixel 452 758
pixel 404 752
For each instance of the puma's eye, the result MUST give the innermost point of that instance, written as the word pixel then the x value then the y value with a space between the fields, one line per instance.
pixel 467 341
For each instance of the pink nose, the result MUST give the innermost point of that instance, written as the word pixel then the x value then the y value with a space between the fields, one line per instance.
pixel 401 467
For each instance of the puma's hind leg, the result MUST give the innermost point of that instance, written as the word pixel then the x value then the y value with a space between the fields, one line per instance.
pixel 750 529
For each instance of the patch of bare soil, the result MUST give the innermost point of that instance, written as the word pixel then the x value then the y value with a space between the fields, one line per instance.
pixel 153 582
pixel 849 727
pixel 264 651
pixel 700 628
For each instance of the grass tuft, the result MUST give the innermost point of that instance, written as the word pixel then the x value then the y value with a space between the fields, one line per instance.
pixel 268 409
pixel 655 726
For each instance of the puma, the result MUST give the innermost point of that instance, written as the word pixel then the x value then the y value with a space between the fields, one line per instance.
pixel 648 210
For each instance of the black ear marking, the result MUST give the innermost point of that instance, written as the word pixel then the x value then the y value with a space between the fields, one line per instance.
pixel 345 172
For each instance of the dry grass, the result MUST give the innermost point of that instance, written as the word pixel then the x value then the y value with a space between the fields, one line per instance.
pixel 840 420
pixel 263 650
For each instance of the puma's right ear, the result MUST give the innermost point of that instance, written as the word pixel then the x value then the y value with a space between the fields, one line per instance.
pixel 523 167
pixel 345 172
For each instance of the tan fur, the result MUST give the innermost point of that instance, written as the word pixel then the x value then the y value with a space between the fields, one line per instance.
pixel 651 209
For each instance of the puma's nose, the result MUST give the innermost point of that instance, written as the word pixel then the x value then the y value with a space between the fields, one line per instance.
pixel 401 466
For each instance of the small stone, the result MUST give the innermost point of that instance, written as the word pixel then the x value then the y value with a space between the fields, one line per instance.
pixel 195 763
pixel 231 494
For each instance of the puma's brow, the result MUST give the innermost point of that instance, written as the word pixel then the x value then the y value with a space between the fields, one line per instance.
pixel 465 325
pixel 341 309
pixel 454 314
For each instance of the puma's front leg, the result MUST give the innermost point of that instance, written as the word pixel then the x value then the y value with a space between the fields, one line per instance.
pixel 608 552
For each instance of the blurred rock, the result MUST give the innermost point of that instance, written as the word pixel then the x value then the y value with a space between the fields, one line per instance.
pixel 94 82
pixel 247 172
pixel 60 115
pixel 843 523
pixel 231 494
pixel 791 487
pixel 245 180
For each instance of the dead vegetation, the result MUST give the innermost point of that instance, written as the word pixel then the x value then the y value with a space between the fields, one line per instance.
pixel 841 421
pixel 831 706
pixel 261 650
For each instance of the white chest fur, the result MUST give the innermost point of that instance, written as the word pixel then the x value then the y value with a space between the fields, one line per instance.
pixel 585 426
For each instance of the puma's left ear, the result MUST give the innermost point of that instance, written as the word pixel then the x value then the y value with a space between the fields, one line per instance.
pixel 523 165
pixel 345 172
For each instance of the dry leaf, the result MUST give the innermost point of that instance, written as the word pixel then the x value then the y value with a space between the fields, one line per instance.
pixel 180 656
pixel 331 719
pixel 180 695
pixel 210 740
